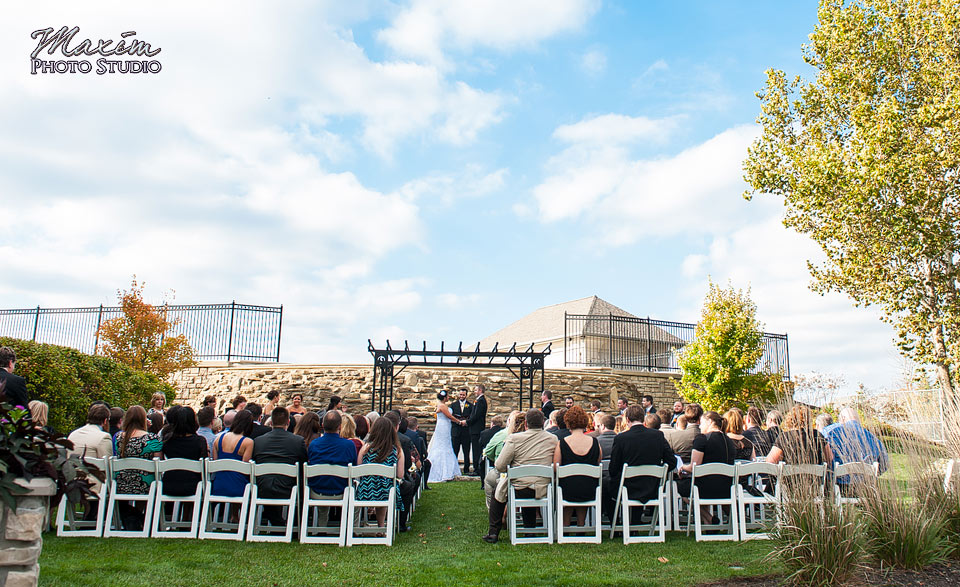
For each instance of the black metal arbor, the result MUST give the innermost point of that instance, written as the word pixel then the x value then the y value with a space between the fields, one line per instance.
pixel 523 364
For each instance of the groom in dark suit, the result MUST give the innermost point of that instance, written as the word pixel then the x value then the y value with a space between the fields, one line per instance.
pixel 460 435
pixel 476 423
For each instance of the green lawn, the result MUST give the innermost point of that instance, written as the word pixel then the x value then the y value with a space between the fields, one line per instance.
pixel 444 546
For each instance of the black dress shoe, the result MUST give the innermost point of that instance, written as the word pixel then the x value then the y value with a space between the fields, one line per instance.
pixel 491 538
pixel 404 528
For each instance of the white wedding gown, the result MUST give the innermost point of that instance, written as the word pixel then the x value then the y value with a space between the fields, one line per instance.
pixel 443 462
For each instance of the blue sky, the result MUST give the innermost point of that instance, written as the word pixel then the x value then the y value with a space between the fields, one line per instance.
pixel 424 169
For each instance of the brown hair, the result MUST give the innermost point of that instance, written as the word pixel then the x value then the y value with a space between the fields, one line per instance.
pixel 716 419
pixel 308 427
pixel 97 414
pixel 575 418
pixel 693 412
pixel 609 422
pixel 682 422
pixel 798 418
pixel 382 439
pixel 134 419
pixel 363 426
pixel 652 421
pixel 634 413
pixel 621 425
pixel 238 400
pixel 516 422
pixel 755 415
pixel 666 416
pixel 734 420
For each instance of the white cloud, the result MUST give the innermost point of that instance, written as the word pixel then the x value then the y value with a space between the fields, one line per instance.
pixel 425 29
pixel 593 62
pixel 624 199
pixel 457 301
pixel 616 129
pixel 472 182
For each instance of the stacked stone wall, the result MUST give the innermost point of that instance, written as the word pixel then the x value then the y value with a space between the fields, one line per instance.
pixel 415 388
pixel 20 533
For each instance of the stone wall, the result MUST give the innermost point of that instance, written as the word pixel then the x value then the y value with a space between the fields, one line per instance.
pixel 415 388
pixel 20 528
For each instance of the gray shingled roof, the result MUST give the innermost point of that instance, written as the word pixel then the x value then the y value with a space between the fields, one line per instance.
pixel 547 323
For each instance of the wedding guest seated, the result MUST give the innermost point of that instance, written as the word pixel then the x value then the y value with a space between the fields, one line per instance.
pixel 534 446
pixel 666 421
pixel 850 442
pixel 205 419
pixel 496 425
pixel 234 444
pixel 239 403
pixel 216 426
pixel 156 422
pixel 652 421
pixel 713 446
pixel 681 441
pixel 258 429
pixel 278 446
pixel 799 443
pixel 157 403
pixel 577 448
pixel 677 412
pixel 606 435
pixel 91 440
pixel 363 428
pixel 116 421
pixel 229 417
pixel 411 468
pixel 308 428
pixel 823 420
pixel 734 425
pixel 638 445
pixel 183 443
pixel 621 424
pixel 38 414
pixel 516 422
pixel 135 442
pixel 382 447
pixel 348 430
pixel 330 449
pixel 680 423
pixel 419 443
pixel 754 433
pixel 560 430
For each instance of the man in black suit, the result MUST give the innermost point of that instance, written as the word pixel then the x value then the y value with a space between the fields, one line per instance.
pixel 14 387
pixel 546 399
pixel 278 446
pixel 258 429
pixel 647 403
pixel 411 467
pixel 496 425
pixel 460 435
pixel 637 446
pixel 476 423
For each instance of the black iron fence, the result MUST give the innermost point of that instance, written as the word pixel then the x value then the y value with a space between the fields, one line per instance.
pixel 625 342
pixel 215 331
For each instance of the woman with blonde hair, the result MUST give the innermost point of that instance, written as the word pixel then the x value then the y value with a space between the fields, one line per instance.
pixel 38 414
pixel 621 424
pixel 735 427
pixel 157 403
pixel 348 430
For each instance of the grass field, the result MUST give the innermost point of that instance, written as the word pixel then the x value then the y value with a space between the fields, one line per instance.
pixel 443 547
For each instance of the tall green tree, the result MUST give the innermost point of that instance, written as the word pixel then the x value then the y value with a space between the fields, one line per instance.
pixel 866 157
pixel 727 345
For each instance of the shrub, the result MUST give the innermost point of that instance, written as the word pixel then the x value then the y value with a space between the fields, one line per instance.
pixel 817 542
pixel 68 381
pixel 906 532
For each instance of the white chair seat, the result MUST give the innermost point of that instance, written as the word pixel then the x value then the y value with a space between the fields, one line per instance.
pixel 113 524
pixel 539 534
pixel 311 532
pixel 215 514
pixel 656 529
pixel 589 530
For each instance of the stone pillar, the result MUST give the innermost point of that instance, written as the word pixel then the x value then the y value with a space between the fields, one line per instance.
pixel 20 533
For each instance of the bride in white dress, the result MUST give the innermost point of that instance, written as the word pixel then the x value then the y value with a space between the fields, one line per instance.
pixel 443 461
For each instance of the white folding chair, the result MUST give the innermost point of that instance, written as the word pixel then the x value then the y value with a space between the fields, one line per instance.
pixel 753 509
pixel 803 477
pixel 590 530
pixel 679 505
pixel 861 476
pixel 730 500
pixel 657 528
pixel 70 521
pixel 257 528
pixel 311 531
pixel 368 533
pixel 538 534
pixel 215 517
pixel 176 526
pixel 113 525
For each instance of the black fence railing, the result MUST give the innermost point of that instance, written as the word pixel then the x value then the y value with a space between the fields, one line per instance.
pixel 215 331
pixel 624 342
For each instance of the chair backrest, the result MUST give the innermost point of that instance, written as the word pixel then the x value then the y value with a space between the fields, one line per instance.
pixel 374 469
pixel 721 469
pixel 864 469
pixel 804 470
pixel 217 465
pixel 757 468
pixel 580 470
pixel 101 463
pixel 276 469
pixel 342 471
pixel 133 463
pixel 530 471
pixel 658 471
pixel 179 465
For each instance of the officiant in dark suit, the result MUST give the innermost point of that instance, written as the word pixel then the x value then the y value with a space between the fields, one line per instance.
pixel 476 423
pixel 460 435
pixel 14 388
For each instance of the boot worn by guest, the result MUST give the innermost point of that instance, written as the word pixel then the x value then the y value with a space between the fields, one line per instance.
pixel 497 509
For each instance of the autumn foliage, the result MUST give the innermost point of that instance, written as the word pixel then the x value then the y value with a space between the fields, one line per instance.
pixel 142 337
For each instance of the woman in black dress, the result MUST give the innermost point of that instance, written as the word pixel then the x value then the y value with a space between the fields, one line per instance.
pixel 713 446
pixel 577 448
pixel 183 443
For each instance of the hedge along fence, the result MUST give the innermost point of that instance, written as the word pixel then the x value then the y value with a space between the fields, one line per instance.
pixel 69 381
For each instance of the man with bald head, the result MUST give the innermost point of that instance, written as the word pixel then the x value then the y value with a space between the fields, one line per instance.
pixel 852 443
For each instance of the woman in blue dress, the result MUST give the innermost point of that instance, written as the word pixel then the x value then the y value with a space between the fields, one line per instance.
pixel 234 444
pixel 382 447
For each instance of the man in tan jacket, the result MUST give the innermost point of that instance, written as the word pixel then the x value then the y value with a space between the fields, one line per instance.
pixel 531 447
pixel 91 440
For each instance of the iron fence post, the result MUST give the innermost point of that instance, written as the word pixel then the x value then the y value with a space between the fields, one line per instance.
pixel 649 346
pixel 565 344
pixel 233 307
pixel 96 338
pixel 610 339
pixel 36 324
pixel 279 330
